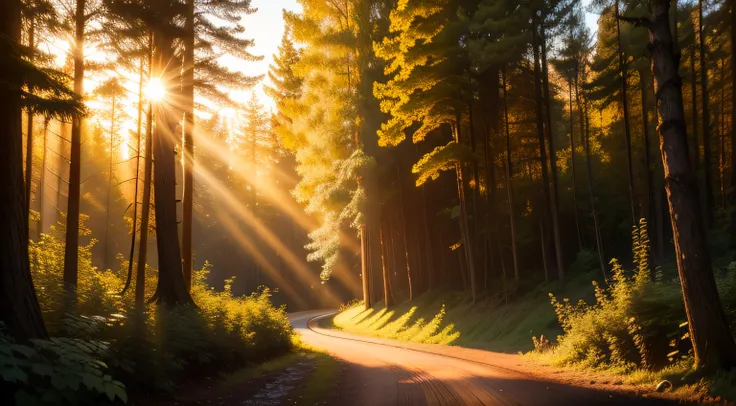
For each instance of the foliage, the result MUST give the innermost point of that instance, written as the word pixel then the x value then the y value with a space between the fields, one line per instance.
pixel 153 352
pixel 633 322
pixel 59 371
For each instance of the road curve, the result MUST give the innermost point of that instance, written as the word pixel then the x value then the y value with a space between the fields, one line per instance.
pixel 380 374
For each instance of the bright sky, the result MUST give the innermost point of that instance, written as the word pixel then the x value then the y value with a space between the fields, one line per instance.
pixel 266 27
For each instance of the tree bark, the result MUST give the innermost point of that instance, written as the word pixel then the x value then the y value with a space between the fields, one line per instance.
pixel 134 228
pixel 42 181
pixel 464 226
pixel 545 212
pixel 29 131
pixel 585 130
pixel 625 104
pixel 188 192
pixel 171 288
pixel 140 276
pixel 713 344
pixel 694 103
pixel 71 250
pixel 106 263
pixel 650 188
pixel 707 158
pixel 19 308
pixel 554 194
pixel 367 302
pixel 732 193
pixel 572 167
pixel 387 298
pixel 509 178
pixel 405 233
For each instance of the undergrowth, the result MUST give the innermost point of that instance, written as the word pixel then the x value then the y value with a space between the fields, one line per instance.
pixel 104 352
pixel 636 327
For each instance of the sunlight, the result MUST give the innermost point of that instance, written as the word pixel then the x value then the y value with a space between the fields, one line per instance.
pixel 155 90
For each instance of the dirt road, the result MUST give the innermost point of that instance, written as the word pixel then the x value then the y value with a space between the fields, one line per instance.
pixel 380 373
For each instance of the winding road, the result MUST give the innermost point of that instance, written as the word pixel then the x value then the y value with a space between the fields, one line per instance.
pixel 386 372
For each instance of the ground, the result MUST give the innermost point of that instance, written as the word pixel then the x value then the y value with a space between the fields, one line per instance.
pixel 357 370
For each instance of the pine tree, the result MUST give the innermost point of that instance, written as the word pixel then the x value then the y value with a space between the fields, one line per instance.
pixel 424 93
pixel 326 131
pixel 713 344
pixel 42 91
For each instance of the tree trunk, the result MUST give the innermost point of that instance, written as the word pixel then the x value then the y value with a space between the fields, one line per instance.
pixel 29 130
pixel 464 226
pixel 106 263
pixel 140 276
pixel 694 103
pixel 722 139
pixel 713 344
pixel 19 308
pixel 428 242
pixel 404 232
pixel 625 104
pixel 572 167
pixel 650 188
pixel 732 193
pixel 585 129
pixel 509 178
pixel 171 288
pixel 387 298
pixel 367 302
pixel 554 195
pixel 545 212
pixel 188 192
pixel 134 228
pixel 707 161
pixel 42 182
pixel 71 250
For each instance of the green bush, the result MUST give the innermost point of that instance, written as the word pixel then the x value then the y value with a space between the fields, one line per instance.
pixel 148 354
pixel 634 322
pixel 59 371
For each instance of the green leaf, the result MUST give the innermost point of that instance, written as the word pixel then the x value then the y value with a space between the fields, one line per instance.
pixel 42 369
pixel 14 374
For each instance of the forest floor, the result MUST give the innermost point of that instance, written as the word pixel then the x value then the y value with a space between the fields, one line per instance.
pixel 305 377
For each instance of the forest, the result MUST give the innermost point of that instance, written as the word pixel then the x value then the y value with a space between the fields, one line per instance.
pixel 160 216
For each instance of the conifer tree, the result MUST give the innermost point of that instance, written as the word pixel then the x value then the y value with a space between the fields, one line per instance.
pixel 424 93
pixel 43 91
pixel 326 131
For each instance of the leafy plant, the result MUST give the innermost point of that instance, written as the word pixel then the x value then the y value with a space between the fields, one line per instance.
pixel 60 371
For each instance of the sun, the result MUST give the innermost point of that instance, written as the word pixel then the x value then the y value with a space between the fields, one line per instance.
pixel 155 90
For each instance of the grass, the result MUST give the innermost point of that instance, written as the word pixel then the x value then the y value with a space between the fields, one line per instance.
pixel 449 318
pixel 492 324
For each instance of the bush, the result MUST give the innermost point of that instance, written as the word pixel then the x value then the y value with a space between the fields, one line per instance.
pixel 59 371
pixel 149 354
pixel 634 322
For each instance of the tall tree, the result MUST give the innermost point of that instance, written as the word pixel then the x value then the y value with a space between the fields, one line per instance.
pixel 713 344
pixel 187 90
pixel 71 249
pixel 705 103
pixel 42 91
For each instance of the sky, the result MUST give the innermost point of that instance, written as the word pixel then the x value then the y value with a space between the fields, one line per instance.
pixel 266 27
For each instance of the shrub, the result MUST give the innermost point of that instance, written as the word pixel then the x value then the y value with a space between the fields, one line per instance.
pixel 633 322
pixel 149 353
pixel 59 371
